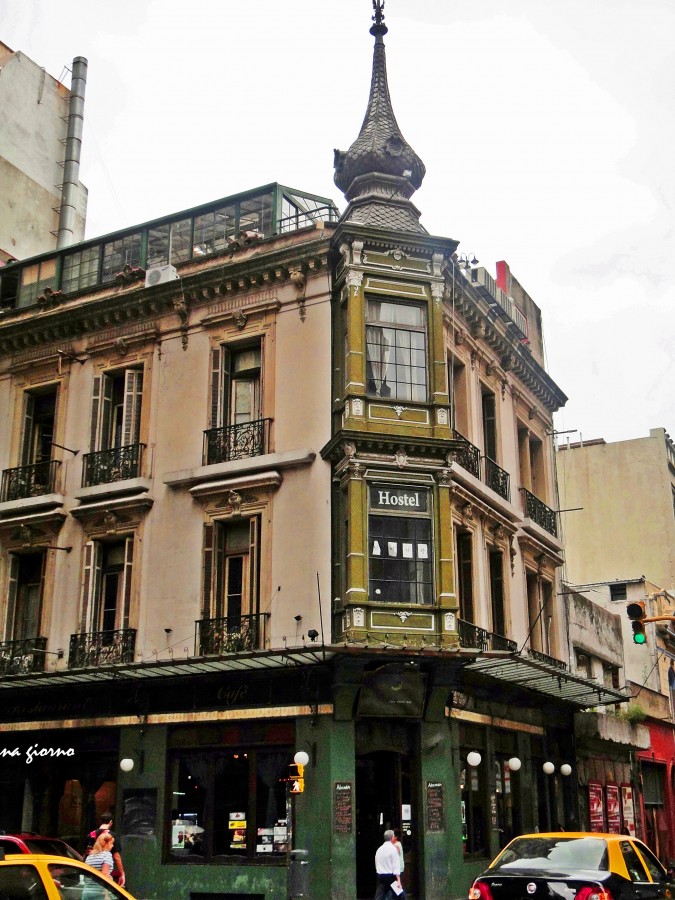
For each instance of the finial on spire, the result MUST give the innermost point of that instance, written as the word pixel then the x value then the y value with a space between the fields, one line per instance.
pixel 379 28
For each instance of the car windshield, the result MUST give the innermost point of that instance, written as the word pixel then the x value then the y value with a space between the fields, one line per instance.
pixel 554 854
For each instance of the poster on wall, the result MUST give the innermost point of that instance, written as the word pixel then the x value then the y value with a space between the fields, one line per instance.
pixel 613 808
pixel 628 809
pixel 596 810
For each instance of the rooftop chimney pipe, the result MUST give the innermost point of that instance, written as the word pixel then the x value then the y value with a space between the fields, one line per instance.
pixel 71 168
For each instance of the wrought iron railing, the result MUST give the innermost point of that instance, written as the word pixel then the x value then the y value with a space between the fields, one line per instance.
pixel 540 513
pixel 304 217
pixel 545 658
pixel 107 466
pixel 101 648
pixel 21 657
pixel 230 634
pixel 241 441
pixel 23 482
pixel 475 638
pixel 468 456
pixel 496 478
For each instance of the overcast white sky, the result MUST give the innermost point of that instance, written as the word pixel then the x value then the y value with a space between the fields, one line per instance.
pixel 547 128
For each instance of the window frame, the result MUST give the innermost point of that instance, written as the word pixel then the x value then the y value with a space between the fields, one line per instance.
pixel 404 330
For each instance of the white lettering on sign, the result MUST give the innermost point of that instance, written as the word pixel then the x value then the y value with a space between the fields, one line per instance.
pixel 386 498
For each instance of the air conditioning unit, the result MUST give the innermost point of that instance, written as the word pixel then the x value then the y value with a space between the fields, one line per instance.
pixel 160 274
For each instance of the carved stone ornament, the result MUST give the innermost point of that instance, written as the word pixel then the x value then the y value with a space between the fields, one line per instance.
pixel 401 458
pixel 234 500
pixel 346 409
pixel 399 410
pixel 110 521
pixel 357 407
pixel 444 477
pixel 450 621
pixel 437 291
pixel 349 449
pixel 460 337
pixel 498 531
pixel 239 318
pixel 398 255
pixel 122 346
pixel 467 511
pixel 359 617
pixel 354 280
pixel 403 614
pixel 348 619
pixel 442 416
pixel 512 554
pixel 478 329
pixel 357 249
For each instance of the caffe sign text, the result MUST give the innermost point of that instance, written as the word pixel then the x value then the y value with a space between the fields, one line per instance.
pixel 403 499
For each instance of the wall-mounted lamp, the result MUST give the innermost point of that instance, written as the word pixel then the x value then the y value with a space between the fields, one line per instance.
pixel 566 769
pixel 301 758
pixel 548 768
pixel 298 618
pixel 473 759
pixel 312 634
pixel 126 764
pixel 514 764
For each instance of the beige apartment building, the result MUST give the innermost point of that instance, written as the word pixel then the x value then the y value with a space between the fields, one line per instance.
pixel 281 479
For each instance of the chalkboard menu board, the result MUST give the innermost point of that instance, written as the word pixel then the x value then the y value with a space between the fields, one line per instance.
pixel 435 811
pixel 342 807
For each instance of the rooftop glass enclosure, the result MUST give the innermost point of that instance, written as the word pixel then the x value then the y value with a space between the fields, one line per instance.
pixel 200 232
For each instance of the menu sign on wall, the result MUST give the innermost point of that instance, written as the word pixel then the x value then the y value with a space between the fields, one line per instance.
pixel 435 810
pixel 596 806
pixel 342 807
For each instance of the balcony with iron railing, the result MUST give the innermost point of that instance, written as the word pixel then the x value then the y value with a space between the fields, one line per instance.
pixel 102 648
pixel 116 464
pixel 540 513
pixel 546 659
pixel 230 634
pixel 22 657
pixel 24 482
pixel 474 638
pixel 241 441
pixel 468 455
pixel 496 478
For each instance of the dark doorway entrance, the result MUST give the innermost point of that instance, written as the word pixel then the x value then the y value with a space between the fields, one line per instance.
pixel 385 798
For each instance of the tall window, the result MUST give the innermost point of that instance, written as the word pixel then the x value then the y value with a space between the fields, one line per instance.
pixel 464 574
pixel 489 424
pixel 496 561
pixel 24 606
pixel 457 381
pixel 540 610
pixel 123 251
pixel 116 409
pixel 237 430
pixel 473 787
pixel 230 595
pixel 39 418
pixel 400 549
pixel 80 269
pixel 106 588
pixel 396 350
pixel 35 278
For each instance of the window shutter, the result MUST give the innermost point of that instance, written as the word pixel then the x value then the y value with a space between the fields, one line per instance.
pixel 218 389
pixel 11 596
pixel 95 413
pixel 220 589
pixel 131 418
pixel 91 580
pixel 254 565
pixel 27 449
pixel 207 573
pixel 126 581
pixel 105 437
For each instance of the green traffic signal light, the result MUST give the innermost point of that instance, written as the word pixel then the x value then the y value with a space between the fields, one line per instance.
pixel 639 637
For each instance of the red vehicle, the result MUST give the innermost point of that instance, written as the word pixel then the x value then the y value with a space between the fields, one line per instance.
pixel 28 842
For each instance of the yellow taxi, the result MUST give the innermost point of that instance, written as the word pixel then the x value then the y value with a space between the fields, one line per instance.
pixel 571 865
pixel 41 877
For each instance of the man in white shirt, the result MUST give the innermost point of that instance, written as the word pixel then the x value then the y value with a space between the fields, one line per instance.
pixel 387 866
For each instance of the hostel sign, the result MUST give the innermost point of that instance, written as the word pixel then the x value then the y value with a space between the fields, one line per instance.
pixel 398 499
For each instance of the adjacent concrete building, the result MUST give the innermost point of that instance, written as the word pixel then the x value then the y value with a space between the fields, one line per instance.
pixel 36 159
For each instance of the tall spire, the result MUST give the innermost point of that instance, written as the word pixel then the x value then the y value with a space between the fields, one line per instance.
pixel 380 171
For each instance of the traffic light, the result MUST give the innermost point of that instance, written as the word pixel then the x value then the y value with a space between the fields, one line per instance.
pixel 296 777
pixel 636 614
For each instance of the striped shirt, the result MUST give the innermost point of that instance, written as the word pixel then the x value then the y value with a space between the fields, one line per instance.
pixel 98 860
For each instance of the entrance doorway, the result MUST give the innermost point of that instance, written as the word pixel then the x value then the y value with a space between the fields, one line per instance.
pixel 385 798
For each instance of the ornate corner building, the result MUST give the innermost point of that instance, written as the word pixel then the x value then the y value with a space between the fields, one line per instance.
pixel 279 479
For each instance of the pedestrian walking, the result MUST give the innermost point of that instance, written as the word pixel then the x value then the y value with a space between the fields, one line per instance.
pixel 387 868
pixel 106 821
pixel 101 856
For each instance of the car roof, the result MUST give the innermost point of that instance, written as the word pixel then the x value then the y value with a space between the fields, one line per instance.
pixel 577 834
